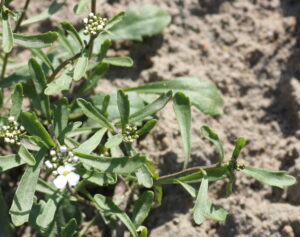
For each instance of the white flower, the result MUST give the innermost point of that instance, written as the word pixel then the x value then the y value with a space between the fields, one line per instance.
pixel 48 164
pixel 75 158
pixel 85 20
pixel 63 149
pixel 52 153
pixel 11 119
pixel 66 176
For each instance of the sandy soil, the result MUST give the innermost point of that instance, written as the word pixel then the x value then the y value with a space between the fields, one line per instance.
pixel 250 49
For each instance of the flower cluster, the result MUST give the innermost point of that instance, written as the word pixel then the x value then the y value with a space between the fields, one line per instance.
pixel 60 162
pixel 129 135
pixel 12 131
pixel 94 24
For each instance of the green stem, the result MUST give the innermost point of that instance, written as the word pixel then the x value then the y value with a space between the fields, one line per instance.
pixel 185 172
pixel 17 27
pixel 93 9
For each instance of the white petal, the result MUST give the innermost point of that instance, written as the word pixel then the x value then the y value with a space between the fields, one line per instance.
pixel 60 182
pixel 73 179
pixel 48 164
pixel 69 167
pixel 60 169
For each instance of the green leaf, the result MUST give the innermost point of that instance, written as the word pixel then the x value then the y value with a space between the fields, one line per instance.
pixel 136 103
pixel 199 210
pixel 60 118
pixel 73 32
pixel 202 94
pixel 26 156
pixel 21 75
pixel 144 177
pixel 182 108
pixel 123 165
pixel 40 83
pixel 91 144
pixel 16 101
pixel 81 7
pixel 211 136
pixel 61 83
pixel 53 8
pixel 215 212
pixel 103 49
pixel 124 108
pixel 65 42
pixel 188 188
pixel 91 112
pixel 81 66
pixel 43 57
pixel 9 162
pixel 23 199
pixel 35 128
pixel 7 38
pixel 5 228
pixel 149 20
pixel 239 144
pixel 97 74
pixel 119 61
pixel 45 218
pixel 152 108
pixel 115 20
pixel 142 208
pixel 69 229
pixel 106 205
pixel 98 178
pixel 147 127
pixel 114 141
pixel 143 231
pixel 278 179
pixel 35 41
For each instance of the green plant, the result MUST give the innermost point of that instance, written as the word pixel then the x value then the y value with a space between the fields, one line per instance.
pixel 81 142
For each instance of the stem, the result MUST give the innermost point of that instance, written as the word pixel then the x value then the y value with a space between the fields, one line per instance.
pixel 17 27
pixel 185 172
pixel 93 9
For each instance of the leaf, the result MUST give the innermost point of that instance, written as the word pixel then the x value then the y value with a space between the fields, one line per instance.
pixel 7 37
pixel 73 32
pixel 98 178
pixel 106 205
pixel 91 144
pixel 115 20
pixel 211 136
pixel 40 83
pixel 152 108
pixel 53 8
pixel 5 228
pixel 35 41
pixel 97 74
pixel 182 108
pixel 91 112
pixel 123 165
pixel 16 101
pixel 147 127
pixel 215 212
pixel 136 103
pixel 69 229
pixel 103 49
pixel 239 144
pixel 65 42
pixel 9 162
pixel 43 57
pixel 188 188
pixel 35 128
pixel 143 231
pixel 61 83
pixel 119 61
pixel 199 210
pixel 60 118
pixel 149 20
pixel 278 179
pixel 144 177
pixel 81 66
pixel 124 108
pixel 202 94
pixel 142 208
pixel 114 141
pixel 26 156
pixel 45 218
pixel 21 75
pixel 23 199
pixel 81 7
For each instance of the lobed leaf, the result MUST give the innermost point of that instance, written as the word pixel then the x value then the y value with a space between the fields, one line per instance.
pixel 278 179
pixel 123 165
pixel 182 108
pixel 106 205
pixel 23 199
pixel 202 94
